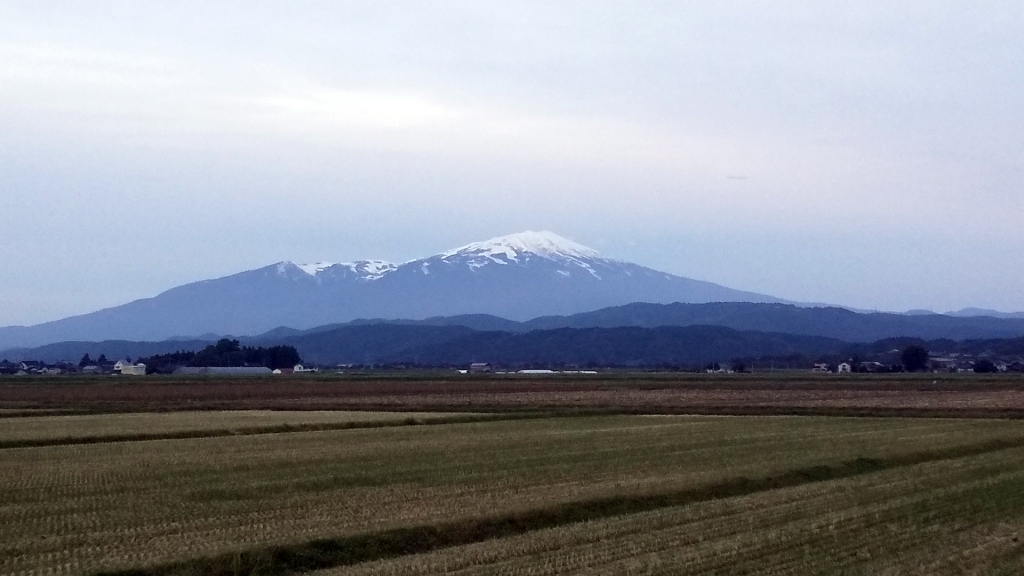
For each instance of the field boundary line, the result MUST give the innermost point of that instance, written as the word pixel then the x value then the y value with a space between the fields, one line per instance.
pixel 284 560
pixel 493 414
pixel 261 430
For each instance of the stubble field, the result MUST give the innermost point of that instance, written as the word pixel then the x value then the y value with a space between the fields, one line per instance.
pixel 962 516
pixel 781 393
pixel 93 428
pixel 549 492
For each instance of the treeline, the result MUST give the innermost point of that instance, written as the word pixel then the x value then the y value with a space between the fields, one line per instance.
pixel 226 353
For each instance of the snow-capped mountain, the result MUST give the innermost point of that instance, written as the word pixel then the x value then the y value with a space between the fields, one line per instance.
pixel 520 276
pixel 515 249
pixel 525 244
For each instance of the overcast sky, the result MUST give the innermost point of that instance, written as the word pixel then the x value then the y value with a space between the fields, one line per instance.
pixel 866 153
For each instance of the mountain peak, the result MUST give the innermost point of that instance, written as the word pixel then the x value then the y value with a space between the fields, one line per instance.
pixel 544 244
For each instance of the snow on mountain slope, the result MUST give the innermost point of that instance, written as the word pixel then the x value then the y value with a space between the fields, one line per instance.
pixel 315 268
pixel 364 269
pixel 520 248
pixel 522 245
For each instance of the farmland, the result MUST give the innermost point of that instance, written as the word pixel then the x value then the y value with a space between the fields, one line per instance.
pixel 169 477
pixel 948 517
pixel 790 393
pixel 88 428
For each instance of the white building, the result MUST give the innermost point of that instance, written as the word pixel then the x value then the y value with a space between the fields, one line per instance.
pixel 126 368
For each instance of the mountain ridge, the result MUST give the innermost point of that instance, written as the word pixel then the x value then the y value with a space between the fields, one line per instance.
pixel 831 323
pixel 627 346
pixel 530 278
pixel 519 276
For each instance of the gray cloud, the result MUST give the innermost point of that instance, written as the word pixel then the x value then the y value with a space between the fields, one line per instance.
pixel 149 145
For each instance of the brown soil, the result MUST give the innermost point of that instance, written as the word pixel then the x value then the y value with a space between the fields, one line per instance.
pixel 903 395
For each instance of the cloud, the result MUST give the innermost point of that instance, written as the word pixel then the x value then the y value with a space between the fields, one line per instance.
pixel 320 108
pixel 414 125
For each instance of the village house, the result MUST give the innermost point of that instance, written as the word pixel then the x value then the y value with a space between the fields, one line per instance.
pixel 31 367
pixel 121 365
pixel 126 368
pixel 873 367
pixel 963 367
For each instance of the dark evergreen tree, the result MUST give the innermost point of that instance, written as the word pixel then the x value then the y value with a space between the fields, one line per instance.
pixel 985 366
pixel 914 358
pixel 225 346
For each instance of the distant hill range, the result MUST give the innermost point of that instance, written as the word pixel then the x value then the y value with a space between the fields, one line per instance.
pixel 967 312
pixel 623 346
pixel 425 345
pixel 634 334
pixel 382 344
pixel 830 322
pixel 378 344
pixel 521 276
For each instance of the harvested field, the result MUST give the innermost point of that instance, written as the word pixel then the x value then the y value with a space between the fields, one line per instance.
pixel 109 427
pixel 960 516
pixel 867 395
pixel 80 509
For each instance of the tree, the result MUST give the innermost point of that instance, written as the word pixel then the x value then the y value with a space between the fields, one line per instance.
pixel 914 358
pixel 985 367
pixel 226 346
pixel 102 359
pixel 738 365
pixel 855 364
pixel 85 361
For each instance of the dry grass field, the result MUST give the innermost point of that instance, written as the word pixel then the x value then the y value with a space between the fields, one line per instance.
pixel 652 484
pixel 782 393
pixel 223 476
pixel 962 516
pixel 55 429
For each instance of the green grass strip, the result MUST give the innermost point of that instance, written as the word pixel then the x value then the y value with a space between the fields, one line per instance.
pixel 332 552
